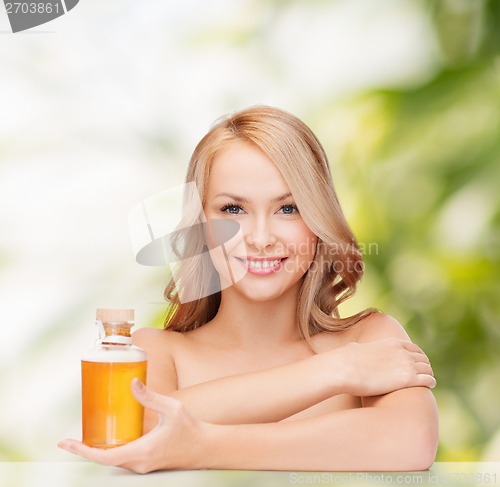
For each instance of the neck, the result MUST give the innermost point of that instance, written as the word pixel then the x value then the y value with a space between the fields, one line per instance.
pixel 264 325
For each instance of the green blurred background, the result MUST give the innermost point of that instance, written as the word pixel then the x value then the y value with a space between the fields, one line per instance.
pixel 102 108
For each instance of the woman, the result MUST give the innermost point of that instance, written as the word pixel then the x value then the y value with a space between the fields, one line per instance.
pixel 264 373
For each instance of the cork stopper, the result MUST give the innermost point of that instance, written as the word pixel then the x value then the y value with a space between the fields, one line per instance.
pixel 115 322
pixel 108 315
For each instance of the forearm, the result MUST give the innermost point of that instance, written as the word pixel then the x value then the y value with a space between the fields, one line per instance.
pixel 265 396
pixel 271 395
pixel 356 439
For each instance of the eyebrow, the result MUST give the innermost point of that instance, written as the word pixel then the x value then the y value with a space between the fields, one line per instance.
pixel 242 199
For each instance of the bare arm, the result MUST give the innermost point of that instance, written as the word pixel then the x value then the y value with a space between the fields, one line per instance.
pixel 395 431
pixel 278 393
pixel 400 434
pixel 263 396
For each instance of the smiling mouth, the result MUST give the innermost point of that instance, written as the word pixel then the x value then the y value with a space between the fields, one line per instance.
pixel 263 264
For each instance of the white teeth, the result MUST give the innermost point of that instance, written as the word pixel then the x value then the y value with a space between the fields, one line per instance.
pixel 262 264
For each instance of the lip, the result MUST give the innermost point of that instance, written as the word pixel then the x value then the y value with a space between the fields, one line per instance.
pixel 261 259
pixel 261 271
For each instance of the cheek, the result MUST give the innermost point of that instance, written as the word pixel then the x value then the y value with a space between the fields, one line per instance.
pixel 301 242
pixel 228 270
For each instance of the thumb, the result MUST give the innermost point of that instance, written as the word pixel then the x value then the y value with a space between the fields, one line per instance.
pixel 152 400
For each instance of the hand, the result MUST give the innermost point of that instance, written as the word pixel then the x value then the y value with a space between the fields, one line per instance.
pixel 383 366
pixel 172 444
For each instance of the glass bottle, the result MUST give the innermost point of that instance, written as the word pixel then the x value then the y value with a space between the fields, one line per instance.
pixel 111 416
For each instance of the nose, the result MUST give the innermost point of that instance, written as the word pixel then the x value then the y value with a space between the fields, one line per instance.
pixel 260 235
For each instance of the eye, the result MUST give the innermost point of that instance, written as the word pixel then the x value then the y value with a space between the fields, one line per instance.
pixel 289 209
pixel 234 209
pixel 231 209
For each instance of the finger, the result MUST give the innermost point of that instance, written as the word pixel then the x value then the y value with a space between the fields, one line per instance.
pixel 420 357
pixel 426 380
pixel 152 400
pixel 412 347
pixel 116 456
pixel 97 455
pixel 423 368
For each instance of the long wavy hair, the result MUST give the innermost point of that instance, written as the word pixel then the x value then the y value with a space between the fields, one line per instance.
pixel 338 264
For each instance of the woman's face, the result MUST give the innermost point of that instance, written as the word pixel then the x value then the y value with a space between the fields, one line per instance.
pixel 274 247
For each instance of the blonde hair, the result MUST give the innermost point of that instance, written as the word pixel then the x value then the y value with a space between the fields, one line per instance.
pixel 338 264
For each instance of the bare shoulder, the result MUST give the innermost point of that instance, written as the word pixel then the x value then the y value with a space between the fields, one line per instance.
pixel 159 346
pixel 378 326
pixel 152 338
pixel 374 327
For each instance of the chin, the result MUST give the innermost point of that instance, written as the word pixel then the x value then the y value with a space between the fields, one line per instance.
pixel 262 293
pixel 261 298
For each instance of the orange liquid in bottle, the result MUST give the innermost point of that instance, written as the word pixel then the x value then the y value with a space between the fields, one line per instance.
pixel 111 416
